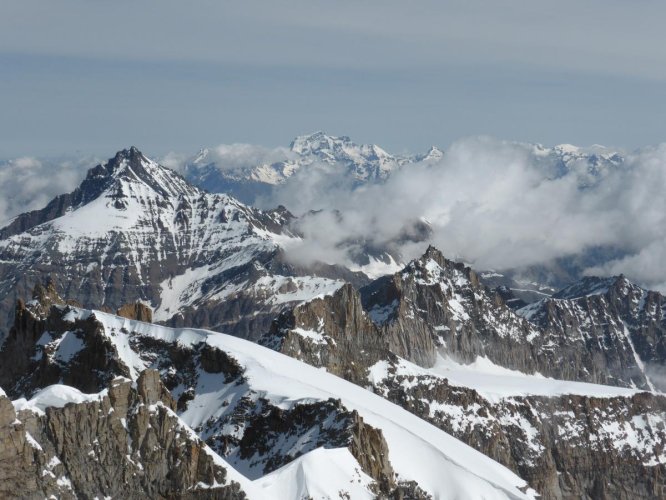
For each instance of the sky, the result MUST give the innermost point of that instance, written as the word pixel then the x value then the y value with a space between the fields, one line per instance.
pixel 93 76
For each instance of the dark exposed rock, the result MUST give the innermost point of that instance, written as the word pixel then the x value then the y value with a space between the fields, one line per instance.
pixel 151 391
pixel 137 311
pixel 620 324
pixel 370 449
pixel 332 332
pixel 568 446
pixel 213 360
pixel 272 437
pixel 29 358
pixel 118 445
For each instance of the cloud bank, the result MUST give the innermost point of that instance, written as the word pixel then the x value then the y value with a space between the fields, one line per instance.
pixel 29 183
pixel 230 158
pixel 497 205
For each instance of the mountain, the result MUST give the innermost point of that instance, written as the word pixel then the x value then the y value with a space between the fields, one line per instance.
pixel 136 231
pixel 434 380
pixel 438 307
pixel 614 316
pixel 361 163
pixel 434 312
pixel 288 428
pixel 435 341
pixel 219 172
pixel 590 165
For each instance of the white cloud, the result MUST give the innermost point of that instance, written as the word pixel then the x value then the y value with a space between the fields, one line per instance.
pixel 29 183
pixel 236 157
pixel 231 157
pixel 495 204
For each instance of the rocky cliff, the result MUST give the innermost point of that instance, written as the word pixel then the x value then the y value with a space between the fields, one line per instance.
pixel 66 345
pixel 607 339
pixel 569 443
pixel 127 442
pixel 623 325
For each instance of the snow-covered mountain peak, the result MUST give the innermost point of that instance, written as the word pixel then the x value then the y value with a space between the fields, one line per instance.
pixel 246 181
pixel 315 142
pixel 201 156
pixel 567 149
pixel 128 175
pixel 132 166
pixel 594 155
pixel 433 154
pixel 136 229
pixel 365 161
pixel 433 265
pixel 593 285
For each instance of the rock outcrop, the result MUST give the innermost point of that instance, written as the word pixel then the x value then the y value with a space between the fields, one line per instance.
pixel 568 446
pixel 137 311
pixel 615 337
pixel 332 332
pixel 128 443
pixel 60 347
pixel 251 433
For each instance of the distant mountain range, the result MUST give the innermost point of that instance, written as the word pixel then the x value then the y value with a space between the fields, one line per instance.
pixel 365 163
pixel 160 343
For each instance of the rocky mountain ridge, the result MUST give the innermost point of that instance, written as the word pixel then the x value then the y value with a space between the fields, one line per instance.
pixel 365 163
pixel 544 435
pixel 615 315
pixel 435 311
pixel 436 306
pixel 124 442
pixel 136 231
pixel 230 392
pixel 362 163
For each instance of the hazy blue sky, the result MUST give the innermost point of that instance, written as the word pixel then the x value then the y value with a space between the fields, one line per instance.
pixel 96 75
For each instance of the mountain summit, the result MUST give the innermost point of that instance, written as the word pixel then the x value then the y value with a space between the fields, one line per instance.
pixel 361 163
pixel 137 231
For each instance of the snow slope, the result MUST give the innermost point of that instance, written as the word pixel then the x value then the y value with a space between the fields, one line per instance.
pixel 440 464
pixel 495 383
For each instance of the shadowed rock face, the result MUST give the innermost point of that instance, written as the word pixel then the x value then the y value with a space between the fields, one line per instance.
pixel 29 360
pixel 332 332
pixel 128 443
pixel 436 304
